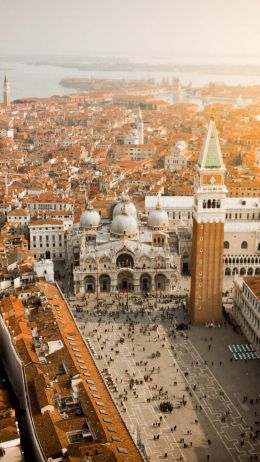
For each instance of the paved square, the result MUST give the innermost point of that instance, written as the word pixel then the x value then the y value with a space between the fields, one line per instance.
pixel 215 400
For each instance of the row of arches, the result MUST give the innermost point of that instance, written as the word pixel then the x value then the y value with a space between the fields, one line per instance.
pixel 242 260
pixel 211 204
pixel 244 245
pixel 125 282
pixel 124 260
pixel 242 271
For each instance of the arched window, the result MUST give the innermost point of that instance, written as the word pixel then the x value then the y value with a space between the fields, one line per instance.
pixel 209 204
pixel 258 247
pixel 214 204
pixel 125 260
pixel 226 245
pixel 244 245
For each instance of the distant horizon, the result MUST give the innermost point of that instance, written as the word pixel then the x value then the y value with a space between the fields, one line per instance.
pixel 179 31
pixel 179 59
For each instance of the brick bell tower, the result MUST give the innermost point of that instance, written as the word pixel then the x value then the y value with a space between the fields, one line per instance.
pixel 208 232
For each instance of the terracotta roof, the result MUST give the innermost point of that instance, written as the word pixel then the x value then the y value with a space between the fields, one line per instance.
pixel 47 221
pixel 46 345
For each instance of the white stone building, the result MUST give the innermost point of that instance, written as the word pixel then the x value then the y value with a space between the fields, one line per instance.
pixel 19 215
pixel 135 151
pixel 48 201
pixel 44 269
pixel 123 254
pixel 47 239
pixel 177 158
pixel 242 229
pixel 246 309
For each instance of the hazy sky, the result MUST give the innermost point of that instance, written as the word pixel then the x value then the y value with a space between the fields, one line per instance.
pixel 142 28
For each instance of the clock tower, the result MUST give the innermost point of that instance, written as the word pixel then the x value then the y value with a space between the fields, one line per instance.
pixel 208 232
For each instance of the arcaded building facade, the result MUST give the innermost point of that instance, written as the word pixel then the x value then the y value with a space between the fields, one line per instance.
pixel 246 309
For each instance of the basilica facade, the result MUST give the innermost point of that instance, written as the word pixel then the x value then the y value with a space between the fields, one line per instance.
pixel 123 254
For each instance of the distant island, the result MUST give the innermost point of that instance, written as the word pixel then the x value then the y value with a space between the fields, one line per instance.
pixel 124 65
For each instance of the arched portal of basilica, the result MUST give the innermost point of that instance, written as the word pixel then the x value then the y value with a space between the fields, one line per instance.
pixel 125 281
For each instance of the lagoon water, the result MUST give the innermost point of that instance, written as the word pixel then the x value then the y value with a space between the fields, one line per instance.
pixel 29 80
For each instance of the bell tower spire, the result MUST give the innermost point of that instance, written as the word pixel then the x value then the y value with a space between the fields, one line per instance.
pixel 6 92
pixel 140 128
pixel 208 231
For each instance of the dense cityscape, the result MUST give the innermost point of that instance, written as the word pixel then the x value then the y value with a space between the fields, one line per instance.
pixel 103 253
pixel 129 231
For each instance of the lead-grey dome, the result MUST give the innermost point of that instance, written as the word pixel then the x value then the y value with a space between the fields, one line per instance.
pixel 124 225
pixel 158 219
pixel 125 203
pixel 90 218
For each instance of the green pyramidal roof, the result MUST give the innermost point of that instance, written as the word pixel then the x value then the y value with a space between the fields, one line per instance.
pixel 212 159
pixel 210 156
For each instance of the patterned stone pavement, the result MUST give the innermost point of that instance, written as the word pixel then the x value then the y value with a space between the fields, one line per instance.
pixel 215 403
pixel 184 374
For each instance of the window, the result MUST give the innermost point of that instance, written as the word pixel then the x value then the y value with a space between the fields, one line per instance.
pixel 258 247
pixel 244 245
pixel 226 245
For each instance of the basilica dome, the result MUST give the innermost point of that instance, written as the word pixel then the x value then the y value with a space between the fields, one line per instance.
pixel 181 145
pixel 158 219
pixel 124 225
pixel 89 218
pixel 127 204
